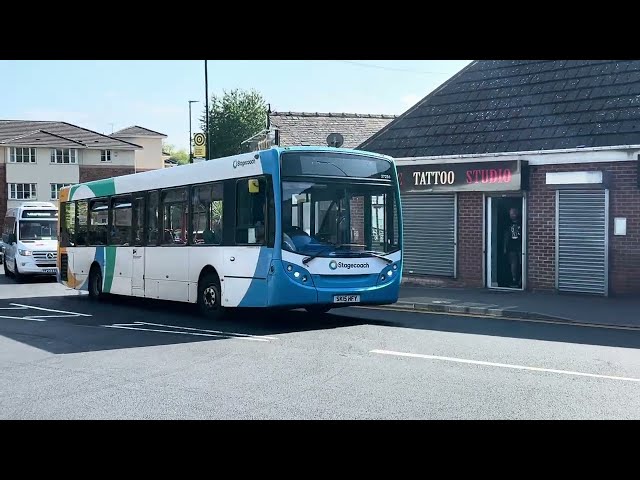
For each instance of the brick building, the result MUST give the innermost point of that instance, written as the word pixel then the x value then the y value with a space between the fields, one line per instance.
pixel 559 141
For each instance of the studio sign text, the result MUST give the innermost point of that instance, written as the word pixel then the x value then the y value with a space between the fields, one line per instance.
pixel 462 177
pixel 494 175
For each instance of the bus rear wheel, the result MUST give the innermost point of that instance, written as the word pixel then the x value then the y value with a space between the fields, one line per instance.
pixel 209 300
pixel 95 283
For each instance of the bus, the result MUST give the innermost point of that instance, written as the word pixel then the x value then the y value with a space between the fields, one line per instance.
pixel 30 240
pixel 295 227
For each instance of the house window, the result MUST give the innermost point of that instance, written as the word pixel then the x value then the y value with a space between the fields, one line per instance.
pixel 64 155
pixel 22 191
pixel 22 155
pixel 105 155
pixel 55 189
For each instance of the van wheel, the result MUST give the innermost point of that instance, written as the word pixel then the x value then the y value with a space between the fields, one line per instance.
pixel 95 283
pixel 7 272
pixel 209 301
pixel 319 309
pixel 16 273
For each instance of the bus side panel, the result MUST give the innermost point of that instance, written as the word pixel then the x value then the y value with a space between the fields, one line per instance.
pixel 121 270
pixel 82 259
pixel 245 282
pixel 167 270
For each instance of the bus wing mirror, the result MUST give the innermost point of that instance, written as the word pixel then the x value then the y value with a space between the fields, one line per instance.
pixel 12 238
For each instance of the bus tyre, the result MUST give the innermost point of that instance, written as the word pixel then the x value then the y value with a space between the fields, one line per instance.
pixel 318 309
pixel 95 283
pixel 209 297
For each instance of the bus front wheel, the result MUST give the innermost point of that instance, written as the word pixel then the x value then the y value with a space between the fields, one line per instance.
pixel 209 297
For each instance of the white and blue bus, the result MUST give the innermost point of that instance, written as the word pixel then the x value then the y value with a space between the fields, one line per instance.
pixel 296 227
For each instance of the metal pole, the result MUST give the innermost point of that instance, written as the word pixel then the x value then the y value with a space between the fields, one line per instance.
pixel 191 134
pixel 206 97
pixel 190 137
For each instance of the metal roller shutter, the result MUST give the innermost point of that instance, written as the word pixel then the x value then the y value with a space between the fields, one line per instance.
pixel 581 241
pixel 429 228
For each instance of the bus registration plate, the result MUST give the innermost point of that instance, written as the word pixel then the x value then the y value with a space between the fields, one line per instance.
pixel 346 298
pixel 50 270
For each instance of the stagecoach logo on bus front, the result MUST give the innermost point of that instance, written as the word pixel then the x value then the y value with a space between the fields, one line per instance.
pixel 333 265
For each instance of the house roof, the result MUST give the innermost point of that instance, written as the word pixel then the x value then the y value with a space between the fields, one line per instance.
pixel 513 106
pixel 57 134
pixel 305 128
pixel 137 131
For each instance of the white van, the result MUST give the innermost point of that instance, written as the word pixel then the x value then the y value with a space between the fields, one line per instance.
pixel 30 238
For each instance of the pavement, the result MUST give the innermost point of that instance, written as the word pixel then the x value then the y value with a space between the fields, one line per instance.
pixel 604 311
pixel 63 356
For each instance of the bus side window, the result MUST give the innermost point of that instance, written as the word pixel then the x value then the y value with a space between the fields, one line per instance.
pixel 121 216
pixel 138 221
pixel 99 222
pixel 81 219
pixel 251 211
pixel 68 224
pixel 152 219
pixel 207 215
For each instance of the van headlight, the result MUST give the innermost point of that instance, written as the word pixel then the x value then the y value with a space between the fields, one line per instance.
pixel 25 253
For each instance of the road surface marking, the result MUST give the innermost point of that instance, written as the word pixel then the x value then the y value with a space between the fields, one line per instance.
pixel 203 330
pixel 13 308
pixel 498 317
pixel 502 365
pixel 23 318
pixel 51 310
pixel 123 327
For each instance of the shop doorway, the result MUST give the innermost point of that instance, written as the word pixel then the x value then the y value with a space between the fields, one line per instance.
pixel 506 242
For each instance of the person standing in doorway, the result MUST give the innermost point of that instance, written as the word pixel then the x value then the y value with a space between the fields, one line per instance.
pixel 513 246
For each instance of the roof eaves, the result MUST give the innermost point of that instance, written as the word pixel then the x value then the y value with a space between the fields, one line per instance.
pixel 64 138
pixel 417 105
pixel 101 135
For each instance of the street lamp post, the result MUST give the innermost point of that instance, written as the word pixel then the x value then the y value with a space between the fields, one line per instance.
pixel 206 99
pixel 190 135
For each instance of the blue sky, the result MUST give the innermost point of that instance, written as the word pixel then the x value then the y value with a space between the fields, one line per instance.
pixel 154 94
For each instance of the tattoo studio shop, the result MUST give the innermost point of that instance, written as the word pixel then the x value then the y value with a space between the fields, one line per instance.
pixel 465 223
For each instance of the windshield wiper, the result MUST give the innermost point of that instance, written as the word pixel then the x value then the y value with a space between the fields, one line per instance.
pixel 321 251
pixel 374 254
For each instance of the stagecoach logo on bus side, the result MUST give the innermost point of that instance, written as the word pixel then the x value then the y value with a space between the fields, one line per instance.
pixel 333 265
pixel 242 163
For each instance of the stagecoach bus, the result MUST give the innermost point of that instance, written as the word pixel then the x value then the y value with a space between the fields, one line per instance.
pixel 297 227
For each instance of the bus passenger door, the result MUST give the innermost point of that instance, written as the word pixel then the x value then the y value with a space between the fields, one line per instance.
pixel 137 272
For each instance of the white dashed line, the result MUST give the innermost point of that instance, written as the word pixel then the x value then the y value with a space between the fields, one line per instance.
pixel 207 331
pixel 503 365
pixel 50 310
pixel 223 335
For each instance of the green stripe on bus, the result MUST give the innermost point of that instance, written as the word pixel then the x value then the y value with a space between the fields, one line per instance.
pixel 109 267
pixel 102 188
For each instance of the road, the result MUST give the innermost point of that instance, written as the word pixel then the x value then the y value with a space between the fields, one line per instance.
pixel 65 357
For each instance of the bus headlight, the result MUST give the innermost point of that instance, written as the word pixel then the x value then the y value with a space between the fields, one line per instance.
pixel 25 253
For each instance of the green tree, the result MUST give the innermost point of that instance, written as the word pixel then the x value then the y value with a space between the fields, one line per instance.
pixel 234 117
pixel 179 156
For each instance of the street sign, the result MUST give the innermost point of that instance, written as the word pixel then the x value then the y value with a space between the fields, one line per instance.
pixel 200 151
pixel 199 140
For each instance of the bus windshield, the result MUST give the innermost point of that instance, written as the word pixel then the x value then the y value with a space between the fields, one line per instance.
pixel 38 230
pixel 325 217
